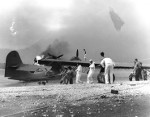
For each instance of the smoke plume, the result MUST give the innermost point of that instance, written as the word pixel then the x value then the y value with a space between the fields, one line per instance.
pixel 117 21
pixel 57 48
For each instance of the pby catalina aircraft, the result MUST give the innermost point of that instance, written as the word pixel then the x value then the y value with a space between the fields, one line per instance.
pixel 15 69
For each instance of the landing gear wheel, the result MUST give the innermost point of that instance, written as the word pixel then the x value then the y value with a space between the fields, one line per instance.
pixel 44 82
pixel 39 83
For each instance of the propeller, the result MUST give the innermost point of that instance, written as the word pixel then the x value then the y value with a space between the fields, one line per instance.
pixel 60 56
pixel 55 57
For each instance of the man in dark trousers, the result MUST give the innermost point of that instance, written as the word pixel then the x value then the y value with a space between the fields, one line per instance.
pixel 63 75
pixel 137 70
pixel 67 76
pixel 100 76
pixel 70 75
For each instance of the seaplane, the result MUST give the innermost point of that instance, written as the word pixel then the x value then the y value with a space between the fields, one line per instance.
pixel 15 69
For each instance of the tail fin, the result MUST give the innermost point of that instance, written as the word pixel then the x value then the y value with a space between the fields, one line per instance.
pixel 76 58
pixel 13 61
pixel 77 53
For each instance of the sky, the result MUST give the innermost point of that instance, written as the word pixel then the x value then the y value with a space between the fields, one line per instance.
pixel 32 27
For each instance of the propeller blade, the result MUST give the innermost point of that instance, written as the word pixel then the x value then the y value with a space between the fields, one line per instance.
pixel 77 53
pixel 59 56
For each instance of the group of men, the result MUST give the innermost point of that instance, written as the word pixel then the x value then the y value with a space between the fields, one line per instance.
pixel 106 72
pixel 138 72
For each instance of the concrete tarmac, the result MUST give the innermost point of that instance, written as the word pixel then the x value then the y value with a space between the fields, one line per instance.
pixel 77 100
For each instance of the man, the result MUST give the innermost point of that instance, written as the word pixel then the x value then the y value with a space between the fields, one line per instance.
pixel 144 74
pixel 78 74
pixel 64 76
pixel 108 64
pixel 68 76
pixel 100 76
pixel 84 54
pixel 137 70
pixel 91 72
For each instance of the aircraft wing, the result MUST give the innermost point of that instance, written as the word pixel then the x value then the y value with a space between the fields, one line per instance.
pixel 28 67
pixel 49 62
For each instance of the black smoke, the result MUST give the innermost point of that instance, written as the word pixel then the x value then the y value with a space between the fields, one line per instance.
pixel 117 21
pixel 58 47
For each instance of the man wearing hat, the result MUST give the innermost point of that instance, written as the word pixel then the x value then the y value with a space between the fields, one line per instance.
pixel 91 72
pixel 78 74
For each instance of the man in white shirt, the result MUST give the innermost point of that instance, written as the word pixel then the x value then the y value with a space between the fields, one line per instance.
pixel 78 74
pixel 108 64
